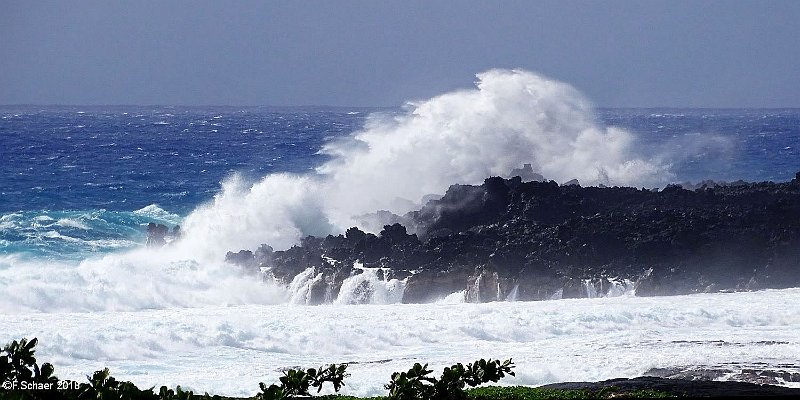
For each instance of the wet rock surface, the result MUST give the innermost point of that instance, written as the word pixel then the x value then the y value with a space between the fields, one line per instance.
pixel 759 374
pixel 683 387
pixel 509 239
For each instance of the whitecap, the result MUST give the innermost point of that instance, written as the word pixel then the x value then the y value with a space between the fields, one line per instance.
pixel 72 223
pixel 8 217
pixel 154 211
pixel 57 235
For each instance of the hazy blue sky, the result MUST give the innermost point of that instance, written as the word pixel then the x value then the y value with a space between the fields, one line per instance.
pixel 374 53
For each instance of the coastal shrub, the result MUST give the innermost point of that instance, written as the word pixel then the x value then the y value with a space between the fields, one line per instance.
pixel 18 364
pixel 178 394
pixel 414 384
pixel 271 392
pixel 103 386
pixel 297 382
pixel 19 369
pixel 417 383
pixel 527 393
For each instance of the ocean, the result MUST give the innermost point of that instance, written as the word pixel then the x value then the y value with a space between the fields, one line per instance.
pixel 82 181
pixel 80 184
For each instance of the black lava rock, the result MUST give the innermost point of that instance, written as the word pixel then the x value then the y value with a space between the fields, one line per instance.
pixel 538 240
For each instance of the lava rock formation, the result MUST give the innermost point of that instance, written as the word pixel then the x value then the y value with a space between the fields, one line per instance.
pixel 509 239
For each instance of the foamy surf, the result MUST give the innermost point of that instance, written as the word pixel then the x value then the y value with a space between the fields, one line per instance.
pixel 550 341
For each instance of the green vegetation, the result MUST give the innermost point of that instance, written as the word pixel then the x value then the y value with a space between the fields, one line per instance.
pixel 18 364
pixel 417 384
pixel 22 379
pixel 529 393
pixel 297 382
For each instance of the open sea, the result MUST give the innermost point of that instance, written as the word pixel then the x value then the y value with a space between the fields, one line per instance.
pixel 78 181
pixel 78 186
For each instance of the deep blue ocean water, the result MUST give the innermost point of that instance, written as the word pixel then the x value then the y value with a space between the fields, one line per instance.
pixel 81 180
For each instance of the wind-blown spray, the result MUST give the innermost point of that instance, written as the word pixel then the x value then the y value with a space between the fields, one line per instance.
pixel 512 117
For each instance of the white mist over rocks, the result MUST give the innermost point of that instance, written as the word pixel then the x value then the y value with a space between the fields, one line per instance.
pixel 140 279
pixel 512 117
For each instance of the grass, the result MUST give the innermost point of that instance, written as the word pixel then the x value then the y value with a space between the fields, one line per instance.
pixel 531 393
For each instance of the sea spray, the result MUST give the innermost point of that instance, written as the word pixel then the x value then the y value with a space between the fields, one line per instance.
pixel 511 117
pixel 277 210
pixel 301 285
pixel 127 281
pixel 367 287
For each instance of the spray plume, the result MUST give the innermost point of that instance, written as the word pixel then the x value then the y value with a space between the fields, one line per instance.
pixel 511 117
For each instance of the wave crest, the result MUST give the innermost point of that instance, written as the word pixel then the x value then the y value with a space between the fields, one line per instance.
pixel 512 117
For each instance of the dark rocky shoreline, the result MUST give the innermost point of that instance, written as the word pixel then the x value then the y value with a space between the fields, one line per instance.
pixel 539 240
pixel 683 387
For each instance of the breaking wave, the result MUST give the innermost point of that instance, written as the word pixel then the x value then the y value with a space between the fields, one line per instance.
pixel 511 118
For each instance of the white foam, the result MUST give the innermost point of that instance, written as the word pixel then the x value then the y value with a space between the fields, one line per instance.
pixel 454 298
pixel 617 287
pixel 57 235
pixel 550 341
pixel 300 287
pixel 154 211
pixel 132 280
pixel 368 288
pixel 71 223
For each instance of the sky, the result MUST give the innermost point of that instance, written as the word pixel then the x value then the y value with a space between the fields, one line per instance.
pixel 384 53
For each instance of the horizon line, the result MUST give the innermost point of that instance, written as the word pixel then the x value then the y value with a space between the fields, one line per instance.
pixel 374 107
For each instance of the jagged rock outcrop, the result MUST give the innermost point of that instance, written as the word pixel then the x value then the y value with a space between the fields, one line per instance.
pixel 527 174
pixel 682 387
pixel 540 240
pixel 156 235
